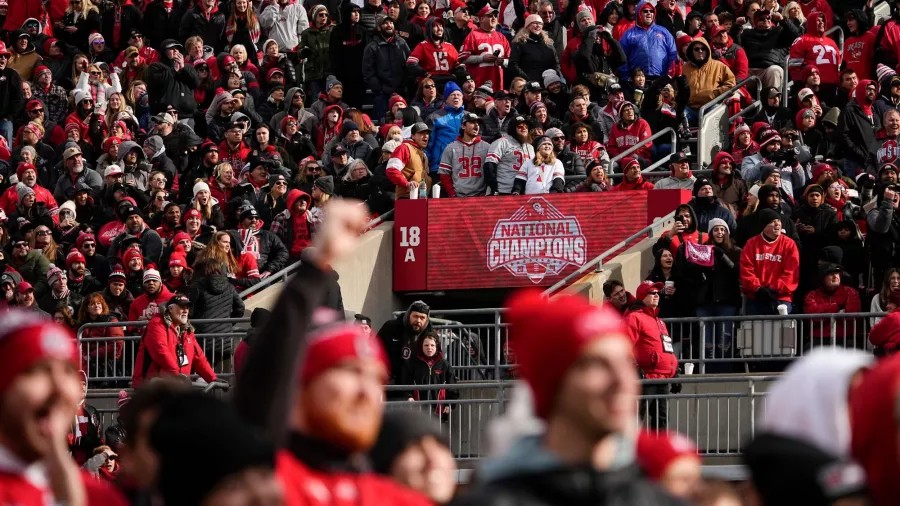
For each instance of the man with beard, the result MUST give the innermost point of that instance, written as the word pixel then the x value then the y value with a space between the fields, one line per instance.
pixel 460 164
pixel 433 56
pixel 80 281
pixel 326 408
pixel 284 21
pixel 506 155
pixel 75 172
pixel 400 336
pixel 572 163
pixel 233 148
pixel 218 115
pixel 725 50
pixel 585 389
pixel 889 98
pixel 171 83
pixel 403 26
pixel 151 244
pixel 707 77
pixel 40 393
pixel 858 123
pixel 408 165
pixel 135 67
pixel 384 63
pixel 11 90
pixel 648 46
pixel 485 52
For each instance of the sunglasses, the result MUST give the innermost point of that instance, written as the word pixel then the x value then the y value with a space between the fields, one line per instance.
pixel 88 245
pixel 4 56
pixel 429 86
pixel 20 245
pixel 654 292
pixel 37 111
pixel 43 232
pixel 280 183
pixel 313 169
pixel 94 73
pixel 160 199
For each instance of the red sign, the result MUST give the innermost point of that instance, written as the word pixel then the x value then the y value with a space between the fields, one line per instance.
pixel 507 242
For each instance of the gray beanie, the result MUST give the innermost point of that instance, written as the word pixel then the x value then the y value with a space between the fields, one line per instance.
pixel 581 15
pixel 331 82
pixel 24 191
pixel 29 149
pixel 155 143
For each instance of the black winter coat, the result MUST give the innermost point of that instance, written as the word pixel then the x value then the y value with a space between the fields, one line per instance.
pixel 573 166
pixel 168 87
pixel 400 342
pixel 346 47
pixel 673 24
pixel 567 485
pixel 85 25
pixel 439 372
pixel 214 297
pixel 765 48
pixel 211 30
pixel 11 91
pixel 858 132
pixel 528 59
pixel 130 19
pixel 273 255
pixel 160 25
pixel 384 64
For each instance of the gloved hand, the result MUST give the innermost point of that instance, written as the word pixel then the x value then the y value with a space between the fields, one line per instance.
pixel 718 251
pixel 305 52
pixel 676 387
pixel 773 294
pixel 763 295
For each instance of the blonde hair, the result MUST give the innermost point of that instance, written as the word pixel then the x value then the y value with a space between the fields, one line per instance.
pixel 205 210
pixel 111 114
pixel 394 130
pixel 787 10
pixel 86 8
pixel 523 34
pixel 215 254
pixel 540 160
pixel 218 169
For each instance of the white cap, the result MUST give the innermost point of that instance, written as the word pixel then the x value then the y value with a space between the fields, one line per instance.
pixel 200 186
pixel 111 170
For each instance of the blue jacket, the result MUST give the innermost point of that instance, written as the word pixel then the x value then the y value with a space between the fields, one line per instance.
pixel 445 126
pixel 652 49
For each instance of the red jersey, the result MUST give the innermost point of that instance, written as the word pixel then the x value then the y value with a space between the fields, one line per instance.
pixel 821 52
pixel 808 8
pixel 770 264
pixel 479 43
pixel 621 139
pixel 304 486
pixel 237 157
pixel 858 53
pixel 820 302
pixel 589 151
pixel 434 59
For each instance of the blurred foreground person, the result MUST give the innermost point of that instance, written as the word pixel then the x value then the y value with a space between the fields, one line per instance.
pixel 411 450
pixel 325 408
pixel 39 395
pixel 585 388
pixel 238 464
pixel 874 424
pixel 811 401
pixel 671 460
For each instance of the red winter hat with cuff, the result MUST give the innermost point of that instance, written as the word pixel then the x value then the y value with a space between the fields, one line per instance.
pixel 548 336
pixel 645 288
pixel 656 451
pixel 26 340
pixel 337 343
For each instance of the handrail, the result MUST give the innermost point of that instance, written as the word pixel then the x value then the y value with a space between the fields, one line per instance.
pixel 840 30
pixel 663 222
pixel 650 173
pixel 718 100
pixel 285 273
pixel 642 143
pixel 786 80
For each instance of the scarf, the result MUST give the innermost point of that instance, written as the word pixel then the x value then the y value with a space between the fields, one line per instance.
pixel 63 295
pixel 168 5
pixel 250 241
pixel 232 27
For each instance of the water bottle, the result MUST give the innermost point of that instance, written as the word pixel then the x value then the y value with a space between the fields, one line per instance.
pixel 423 191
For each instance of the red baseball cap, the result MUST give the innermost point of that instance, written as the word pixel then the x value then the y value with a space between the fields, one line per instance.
pixel 487 9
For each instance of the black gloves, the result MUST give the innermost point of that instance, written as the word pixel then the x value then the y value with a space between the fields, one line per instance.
pixel 766 294
pixel 676 387
pixel 305 52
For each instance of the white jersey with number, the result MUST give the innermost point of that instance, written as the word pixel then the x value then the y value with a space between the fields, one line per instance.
pixel 539 178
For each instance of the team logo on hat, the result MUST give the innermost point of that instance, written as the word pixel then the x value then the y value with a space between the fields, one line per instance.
pixel 537 241
pixel 55 342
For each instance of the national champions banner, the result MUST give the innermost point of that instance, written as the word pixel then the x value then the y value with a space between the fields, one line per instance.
pixel 514 241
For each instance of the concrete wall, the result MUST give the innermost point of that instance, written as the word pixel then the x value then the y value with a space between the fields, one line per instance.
pixel 630 267
pixel 366 279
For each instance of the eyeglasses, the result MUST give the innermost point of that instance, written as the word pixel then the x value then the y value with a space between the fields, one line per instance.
pixel 280 183
pixel 43 232
pixel 94 73
pixel 88 245
pixel 20 245
pixel 429 86
pixel 699 49
pixel 322 15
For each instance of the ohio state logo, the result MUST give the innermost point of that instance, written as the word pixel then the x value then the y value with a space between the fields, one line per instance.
pixel 536 241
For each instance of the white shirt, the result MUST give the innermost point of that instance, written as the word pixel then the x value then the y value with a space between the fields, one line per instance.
pixel 539 179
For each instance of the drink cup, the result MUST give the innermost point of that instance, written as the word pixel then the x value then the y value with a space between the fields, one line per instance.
pixel 688 369
pixel 782 309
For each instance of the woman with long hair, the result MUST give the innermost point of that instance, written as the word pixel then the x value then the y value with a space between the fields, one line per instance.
pixel 222 183
pixel 114 105
pixel 597 179
pixel 81 19
pixel 427 99
pixel 241 270
pixel 92 81
pixel 532 51
pixel 135 90
pixel 102 346
pixel 42 240
pixel 542 174
pixel 243 28
pixel 63 316
pixel 890 282
pixel 307 172
pixel 210 212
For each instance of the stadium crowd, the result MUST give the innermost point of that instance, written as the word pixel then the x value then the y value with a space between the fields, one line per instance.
pixel 157 158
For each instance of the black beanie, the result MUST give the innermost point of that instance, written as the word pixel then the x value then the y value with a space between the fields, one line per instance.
pixel 700 183
pixel 195 426
pixel 787 472
pixel 259 316
pixel 831 254
pixel 767 216
pixel 400 430
pixel 419 307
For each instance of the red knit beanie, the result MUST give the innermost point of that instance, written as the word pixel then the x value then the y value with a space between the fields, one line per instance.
pixel 23 166
pixel 74 256
pixel 548 336
pixel 26 339
pixel 656 451
pixel 338 343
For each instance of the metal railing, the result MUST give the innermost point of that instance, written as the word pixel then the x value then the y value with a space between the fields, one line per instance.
pixel 284 274
pixel 673 136
pixel 702 148
pixel 649 231
pixel 109 361
pixel 725 344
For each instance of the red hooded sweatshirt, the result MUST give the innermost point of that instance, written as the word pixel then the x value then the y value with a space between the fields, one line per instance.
pixel 300 228
pixel 814 50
